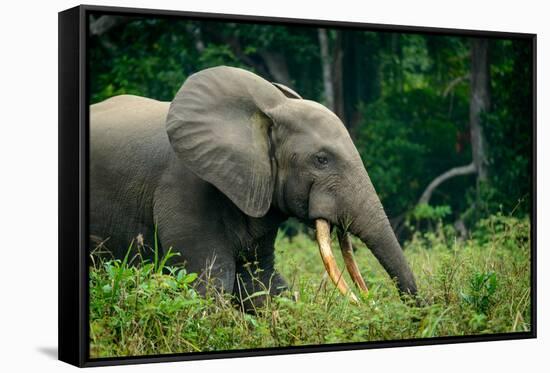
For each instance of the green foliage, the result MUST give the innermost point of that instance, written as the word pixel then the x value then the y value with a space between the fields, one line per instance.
pixel 515 230
pixel 214 55
pixel 481 291
pixel 428 218
pixel 153 57
pixel 435 213
pixel 508 126
pixel 405 140
pixel 144 57
pixel 469 287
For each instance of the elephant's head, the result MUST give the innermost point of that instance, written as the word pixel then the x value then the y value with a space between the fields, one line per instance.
pixel 265 147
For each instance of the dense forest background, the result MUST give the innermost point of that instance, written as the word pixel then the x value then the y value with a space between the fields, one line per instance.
pixel 443 123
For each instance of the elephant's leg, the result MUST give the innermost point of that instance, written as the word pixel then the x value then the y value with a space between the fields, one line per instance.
pixel 214 263
pixel 256 278
pixel 254 284
pixel 216 273
pixel 200 243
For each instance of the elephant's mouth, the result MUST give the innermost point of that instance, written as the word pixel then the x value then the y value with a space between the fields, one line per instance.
pixel 323 239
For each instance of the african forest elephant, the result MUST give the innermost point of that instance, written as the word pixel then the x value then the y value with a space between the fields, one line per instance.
pixel 219 168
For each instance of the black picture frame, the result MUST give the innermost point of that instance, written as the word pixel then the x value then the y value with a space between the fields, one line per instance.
pixel 73 104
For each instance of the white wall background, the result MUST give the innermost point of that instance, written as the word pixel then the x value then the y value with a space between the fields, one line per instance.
pixel 28 184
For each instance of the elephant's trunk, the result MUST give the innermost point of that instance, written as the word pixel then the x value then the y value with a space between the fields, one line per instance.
pixel 372 226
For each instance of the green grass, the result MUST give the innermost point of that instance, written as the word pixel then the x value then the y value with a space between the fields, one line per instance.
pixel 481 285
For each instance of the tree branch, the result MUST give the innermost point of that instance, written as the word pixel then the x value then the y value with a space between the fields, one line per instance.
pixel 455 171
pixel 453 83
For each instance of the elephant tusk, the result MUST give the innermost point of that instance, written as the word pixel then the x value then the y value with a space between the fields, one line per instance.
pixel 347 252
pixel 323 240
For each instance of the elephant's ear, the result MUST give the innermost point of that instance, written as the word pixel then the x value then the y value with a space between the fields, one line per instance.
pixel 288 92
pixel 218 124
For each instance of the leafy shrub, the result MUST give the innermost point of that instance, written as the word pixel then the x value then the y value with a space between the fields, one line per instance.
pixel 481 290
pixel 434 213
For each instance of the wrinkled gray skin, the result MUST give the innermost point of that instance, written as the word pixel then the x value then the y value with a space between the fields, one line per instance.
pixel 219 168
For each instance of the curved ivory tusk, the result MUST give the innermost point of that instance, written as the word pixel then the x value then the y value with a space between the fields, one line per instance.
pixel 323 240
pixel 351 264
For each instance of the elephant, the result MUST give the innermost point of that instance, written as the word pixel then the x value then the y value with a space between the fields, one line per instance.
pixel 214 173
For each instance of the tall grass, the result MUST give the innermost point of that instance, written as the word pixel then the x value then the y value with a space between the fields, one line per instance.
pixel 480 285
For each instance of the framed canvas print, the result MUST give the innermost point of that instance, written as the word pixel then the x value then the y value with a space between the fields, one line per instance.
pixel 233 186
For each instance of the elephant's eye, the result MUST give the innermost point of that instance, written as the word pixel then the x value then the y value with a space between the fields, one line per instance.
pixel 321 159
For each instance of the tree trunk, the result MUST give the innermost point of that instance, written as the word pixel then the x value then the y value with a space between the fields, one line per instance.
pixel 277 66
pixel 332 57
pixel 361 85
pixel 479 103
pixel 326 62
pixel 396 44
pixel 338 77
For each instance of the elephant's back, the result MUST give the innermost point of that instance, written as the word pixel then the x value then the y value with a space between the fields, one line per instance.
pixel 127 116
pixel 125 128
pixel 129 151
pixel 127 135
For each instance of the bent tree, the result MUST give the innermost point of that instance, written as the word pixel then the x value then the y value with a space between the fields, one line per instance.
pixel 479 103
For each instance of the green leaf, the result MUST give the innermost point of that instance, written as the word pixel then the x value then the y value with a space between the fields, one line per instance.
pixel 190 278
